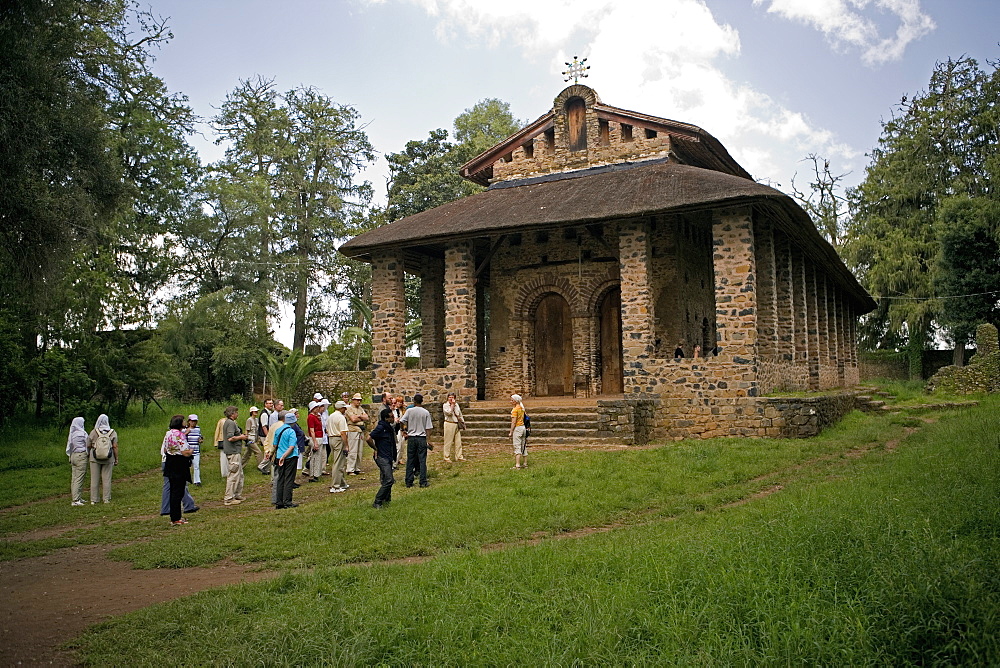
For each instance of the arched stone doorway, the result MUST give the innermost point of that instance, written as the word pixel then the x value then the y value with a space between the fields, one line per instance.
pixel 610 313
pixel 553 347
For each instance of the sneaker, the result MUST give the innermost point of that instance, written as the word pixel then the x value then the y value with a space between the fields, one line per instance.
pixel 337 490
pixel 77 503
pixel 233 502
pixel 345 486
pixel 179 522
pixel 193 510
pixel 447 460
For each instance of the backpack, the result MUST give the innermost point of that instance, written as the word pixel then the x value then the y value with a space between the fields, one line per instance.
pixel 527 425
pixel 102 445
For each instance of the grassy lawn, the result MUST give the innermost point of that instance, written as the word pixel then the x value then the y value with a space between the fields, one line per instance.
pixel 886 558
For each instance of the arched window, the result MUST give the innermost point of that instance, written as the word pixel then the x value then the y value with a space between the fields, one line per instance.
pixel 576 122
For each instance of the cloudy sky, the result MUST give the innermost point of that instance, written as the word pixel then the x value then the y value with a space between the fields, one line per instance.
pixel 774 80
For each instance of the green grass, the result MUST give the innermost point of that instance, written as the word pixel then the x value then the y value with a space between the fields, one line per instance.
pixel 888 559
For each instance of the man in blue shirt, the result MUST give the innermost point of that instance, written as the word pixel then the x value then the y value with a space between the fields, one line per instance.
pixel 286 452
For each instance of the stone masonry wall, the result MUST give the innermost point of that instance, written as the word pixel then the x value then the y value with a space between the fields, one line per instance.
pixel 549 151
pixel 576 265
pixel 388 315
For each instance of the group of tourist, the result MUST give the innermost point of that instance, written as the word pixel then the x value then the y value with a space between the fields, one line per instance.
pixel 332 443
pixel 98 450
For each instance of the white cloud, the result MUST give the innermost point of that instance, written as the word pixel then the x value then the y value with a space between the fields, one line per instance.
pixel 674 74
pixel 850 23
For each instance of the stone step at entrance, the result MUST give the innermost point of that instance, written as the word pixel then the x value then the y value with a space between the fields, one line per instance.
pixel 554 421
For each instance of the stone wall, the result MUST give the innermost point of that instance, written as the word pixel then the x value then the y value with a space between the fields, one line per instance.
pixel 332 383
pixel 577 265
pixel 632 421
pixel 982 374
pixel 607 142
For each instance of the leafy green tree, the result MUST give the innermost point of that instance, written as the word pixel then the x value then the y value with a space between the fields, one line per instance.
pixel 287 375
pixel 968 231
pixel 96 167
pixel 215 343
pixel 938 146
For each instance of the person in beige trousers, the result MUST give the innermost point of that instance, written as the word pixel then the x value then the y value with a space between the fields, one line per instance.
pixel 76 450
pixel 100 469
pixel 453 425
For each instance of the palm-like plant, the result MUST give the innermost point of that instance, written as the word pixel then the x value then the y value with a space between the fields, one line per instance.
pixel 286 376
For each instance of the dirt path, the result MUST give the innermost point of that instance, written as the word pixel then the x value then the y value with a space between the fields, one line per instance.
pixel 51 599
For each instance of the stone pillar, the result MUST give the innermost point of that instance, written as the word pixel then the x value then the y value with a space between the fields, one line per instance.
pixel 823 331
pixel 735 284
pixel 785 299
pixel 638 338
pixel 460 312
pixel 801 337
pixel 838 297
pixel 812 326
pixel 432 313
pixel 388 317
pixel 767 303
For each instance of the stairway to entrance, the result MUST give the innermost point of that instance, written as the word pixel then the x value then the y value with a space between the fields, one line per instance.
pixel 554 421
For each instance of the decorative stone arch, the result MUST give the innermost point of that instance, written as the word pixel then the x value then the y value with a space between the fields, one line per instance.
pixel 588 94
pixel 527 301
pixel 598 291
pixel 597 294
pixel 532 292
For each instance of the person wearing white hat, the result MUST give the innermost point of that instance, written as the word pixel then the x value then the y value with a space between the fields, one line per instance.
pixel 518 432
pixel 324 416
pixel 357 421
pixel 314 439
pixel 253 440
pixel 336 426
pixel 192 433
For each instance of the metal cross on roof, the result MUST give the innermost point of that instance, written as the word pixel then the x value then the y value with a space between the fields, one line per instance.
pixel 577 70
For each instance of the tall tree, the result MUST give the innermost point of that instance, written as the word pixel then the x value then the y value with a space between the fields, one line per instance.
pixel 319 201
pixel 937 146
pixel 96 165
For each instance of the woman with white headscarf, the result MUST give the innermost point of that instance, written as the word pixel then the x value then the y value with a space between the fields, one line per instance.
pixel 76 450
pixel 518 433
pixel 103 447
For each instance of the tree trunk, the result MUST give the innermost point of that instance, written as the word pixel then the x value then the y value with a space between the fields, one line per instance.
pixel 958 355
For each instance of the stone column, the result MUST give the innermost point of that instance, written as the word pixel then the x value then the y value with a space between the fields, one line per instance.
pixel 735 284
pixel 785 299
pixel 812 326
pixel 388 317
pixel 460 312
pixel 800 335
pixel 638 338
pixel 838 297
pixel 767 303
pixel 432 313
pixel 824 331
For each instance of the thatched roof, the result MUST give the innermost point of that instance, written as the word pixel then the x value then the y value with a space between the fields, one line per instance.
pixel 596 195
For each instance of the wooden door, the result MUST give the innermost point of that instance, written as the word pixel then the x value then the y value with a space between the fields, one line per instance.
pixel 611 343
pixel 553 347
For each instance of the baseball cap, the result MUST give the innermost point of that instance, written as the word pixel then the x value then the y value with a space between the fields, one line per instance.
pixel 192 417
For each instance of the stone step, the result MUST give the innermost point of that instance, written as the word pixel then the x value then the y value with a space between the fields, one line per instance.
pixel 540 441
pixel 538 418
pixel 548 421
pixel 535 431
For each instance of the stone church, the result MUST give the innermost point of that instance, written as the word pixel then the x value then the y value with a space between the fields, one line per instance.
pixel 605 239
